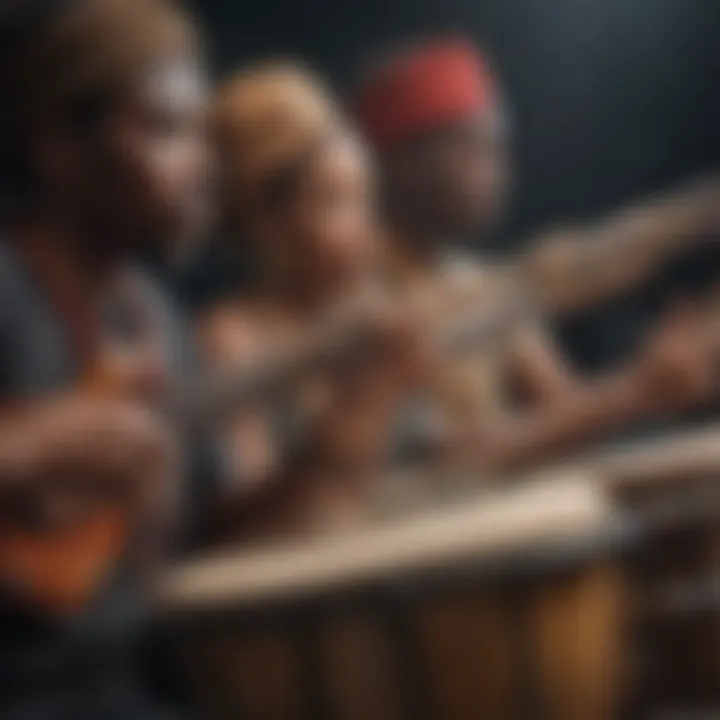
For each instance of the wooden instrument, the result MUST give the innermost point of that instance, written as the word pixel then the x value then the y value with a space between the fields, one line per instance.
pixel 582 591
pixel 495 608
pixel 669 487
pixel 56 569
pixel 672 485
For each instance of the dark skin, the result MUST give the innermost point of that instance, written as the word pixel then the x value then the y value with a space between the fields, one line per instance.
pixel 125 184
pixel 453 183
pixel 135 176
pixel 449 183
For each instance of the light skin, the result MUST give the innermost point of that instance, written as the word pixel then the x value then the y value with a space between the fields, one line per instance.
pixel 316 251
pixel 317 240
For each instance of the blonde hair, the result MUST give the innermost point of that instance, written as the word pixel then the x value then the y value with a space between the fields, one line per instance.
pixel 264 122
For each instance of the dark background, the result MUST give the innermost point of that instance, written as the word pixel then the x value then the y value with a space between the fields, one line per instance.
pixel 610 99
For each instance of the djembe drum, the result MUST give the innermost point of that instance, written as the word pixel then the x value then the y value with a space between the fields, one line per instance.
pixel 510 606
pixel 671 487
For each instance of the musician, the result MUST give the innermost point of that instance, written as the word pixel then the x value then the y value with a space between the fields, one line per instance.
pixel 102 159
pixel 298 200
pixel 104 162
pixel 434 116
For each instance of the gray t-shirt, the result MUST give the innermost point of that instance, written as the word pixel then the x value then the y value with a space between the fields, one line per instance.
pixel 88 667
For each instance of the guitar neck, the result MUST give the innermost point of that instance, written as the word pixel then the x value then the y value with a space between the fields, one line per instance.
pixel 212 398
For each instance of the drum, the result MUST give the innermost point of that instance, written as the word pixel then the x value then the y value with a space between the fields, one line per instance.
pixel 671 487
pixel 510 606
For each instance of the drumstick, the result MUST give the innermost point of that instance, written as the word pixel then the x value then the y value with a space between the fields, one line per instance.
pixel 680 456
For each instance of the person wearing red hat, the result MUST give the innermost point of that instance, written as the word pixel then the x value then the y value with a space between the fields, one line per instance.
pixel 434 116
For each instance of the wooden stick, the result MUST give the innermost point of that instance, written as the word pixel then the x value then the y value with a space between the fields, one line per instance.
pixel 682 456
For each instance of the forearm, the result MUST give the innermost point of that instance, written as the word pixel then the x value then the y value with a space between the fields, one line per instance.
pixel 578 266
pixel 692 210
pixel 591 410
pixel 23 452
pixel 286 504
pixel 81 444
pixel 332 461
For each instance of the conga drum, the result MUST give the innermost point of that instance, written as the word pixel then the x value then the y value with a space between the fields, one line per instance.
pixel 671 485
pixel 509 606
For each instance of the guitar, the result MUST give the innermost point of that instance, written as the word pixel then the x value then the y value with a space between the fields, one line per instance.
pixel 56 569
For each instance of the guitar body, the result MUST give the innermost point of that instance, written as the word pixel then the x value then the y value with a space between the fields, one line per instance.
pixel 57 570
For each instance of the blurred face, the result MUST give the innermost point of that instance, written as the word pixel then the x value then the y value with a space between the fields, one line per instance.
pixel 456 180
pixel 328 231
pixel 133 171
pixel 156 161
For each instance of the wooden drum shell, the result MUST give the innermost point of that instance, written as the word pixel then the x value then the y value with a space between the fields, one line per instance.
pixel 523 621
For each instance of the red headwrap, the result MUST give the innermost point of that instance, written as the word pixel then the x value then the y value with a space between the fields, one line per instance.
pixel 422 90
